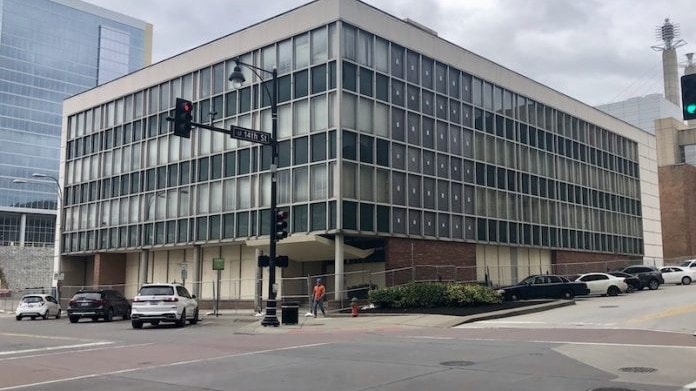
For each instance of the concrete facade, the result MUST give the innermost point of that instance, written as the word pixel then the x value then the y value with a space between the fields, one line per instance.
pixel 435 245
pixel 27 267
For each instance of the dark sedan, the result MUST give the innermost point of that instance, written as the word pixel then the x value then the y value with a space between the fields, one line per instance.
pixel 544 286
pixel 100 303
pixel 650 277
pixel 632 281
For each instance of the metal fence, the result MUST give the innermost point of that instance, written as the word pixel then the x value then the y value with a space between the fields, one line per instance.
pixel 239 293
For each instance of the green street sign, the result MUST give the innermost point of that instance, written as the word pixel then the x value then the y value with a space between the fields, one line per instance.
pixel 218 263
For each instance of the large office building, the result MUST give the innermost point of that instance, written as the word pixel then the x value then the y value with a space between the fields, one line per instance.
pixel 49 50
pixel 397 149
pixel 643 111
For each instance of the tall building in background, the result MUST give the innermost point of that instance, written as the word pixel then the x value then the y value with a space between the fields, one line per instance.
pixel 49 50
pixel 642 111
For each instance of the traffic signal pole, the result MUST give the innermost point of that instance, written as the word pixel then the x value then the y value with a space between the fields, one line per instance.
pixel 271 317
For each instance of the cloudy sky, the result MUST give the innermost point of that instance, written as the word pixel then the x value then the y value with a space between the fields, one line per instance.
pixel 595 50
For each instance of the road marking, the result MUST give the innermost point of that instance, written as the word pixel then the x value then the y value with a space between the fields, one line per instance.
pixel 82 345
pixel 160 366
pixel 634 345
pixel 43 337
pixel 685 309
pixel 427 337
pixel 75 351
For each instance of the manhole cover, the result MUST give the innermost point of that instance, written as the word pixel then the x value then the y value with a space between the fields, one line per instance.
pixel 608 306
pixel 638 369
pixel 612 389
pixel 457 363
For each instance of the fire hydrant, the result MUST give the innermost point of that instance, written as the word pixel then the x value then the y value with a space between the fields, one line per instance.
pixel 355 308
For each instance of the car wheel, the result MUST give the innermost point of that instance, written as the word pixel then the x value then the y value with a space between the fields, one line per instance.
pixel 686 280
pixel 513 297
pixel 194 320
pixel 95 319
pixel 613 291
pixel 630 289
pixel 45 316
pixel 18 317
pixel 568 295
pixel 182 321
pixel 653 285
pixel 74 319
pixel 58 314
pixel 137 324
pixel 155 323
pixel 109 315
pixel 126 316
pixel 33 317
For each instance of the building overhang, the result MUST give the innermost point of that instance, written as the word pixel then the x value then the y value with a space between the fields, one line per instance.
pixel 309 248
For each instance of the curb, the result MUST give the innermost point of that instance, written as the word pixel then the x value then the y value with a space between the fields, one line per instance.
pixel 514 312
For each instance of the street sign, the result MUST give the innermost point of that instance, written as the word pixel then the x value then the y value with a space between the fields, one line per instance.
pixel 218 263
pixel 254 136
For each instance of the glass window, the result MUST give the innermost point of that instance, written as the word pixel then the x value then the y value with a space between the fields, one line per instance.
pixel 349 145
pixel 381 55
pixel 366 81
pixel 398 188
pixel 319 79
pixel 301 150
pixel 301 51
pixel 398 156
pixel 319 182
pixel 382 191
pixel 319 147
pixel 300 219
pixel 320 45
pixel 318 216
pixel 365 48
pixel 349 180
pixel 382 87
pixel 397 61
pixel 301 83
pixel 300 184
pixel 349 41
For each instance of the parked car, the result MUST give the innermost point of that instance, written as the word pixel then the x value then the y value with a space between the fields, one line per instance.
pixel 37 305
pixel 603 284
pixel 632 281
pixel 690 263
pixel 678 275
pixel 98 303
pixel 544 286
pixel 157 303
pixel 649 276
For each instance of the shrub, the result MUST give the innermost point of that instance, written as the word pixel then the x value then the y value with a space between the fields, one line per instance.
pixel 459 295
pixel 360 291
pixel 428 295
pixel 386 298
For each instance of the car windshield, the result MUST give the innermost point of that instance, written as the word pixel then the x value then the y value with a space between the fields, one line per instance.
pixel 156 291
pixel 32 299
pixel 686 263
pixel 87 295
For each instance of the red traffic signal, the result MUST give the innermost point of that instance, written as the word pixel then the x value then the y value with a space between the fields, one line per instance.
pixel 183 115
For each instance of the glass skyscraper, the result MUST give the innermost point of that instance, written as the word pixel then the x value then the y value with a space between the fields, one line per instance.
pixel 50 50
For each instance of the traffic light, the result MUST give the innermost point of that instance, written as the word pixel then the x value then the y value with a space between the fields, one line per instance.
pixel 281 224
pixel 688 88
pixel 282 261
pixel 263 261
pixel 183 115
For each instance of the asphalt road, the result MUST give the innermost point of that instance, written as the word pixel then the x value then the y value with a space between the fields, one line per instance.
pixel 671 308
pixel 226 354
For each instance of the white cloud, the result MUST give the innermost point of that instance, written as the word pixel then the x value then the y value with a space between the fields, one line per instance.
pixel 593 50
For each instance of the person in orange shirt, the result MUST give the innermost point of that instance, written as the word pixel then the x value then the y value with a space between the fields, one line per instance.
pixel 318 297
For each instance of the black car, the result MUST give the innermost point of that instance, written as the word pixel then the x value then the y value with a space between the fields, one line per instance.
pixel 649 276
pixel 632 281
pixel 99 303
pixel 544 286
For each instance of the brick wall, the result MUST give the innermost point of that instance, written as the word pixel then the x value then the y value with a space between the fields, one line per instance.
pixel 400 252
pixel 109 269
pixel 677 205
pixel 27 267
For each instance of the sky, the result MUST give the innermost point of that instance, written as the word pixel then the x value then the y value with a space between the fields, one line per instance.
pixel 597 51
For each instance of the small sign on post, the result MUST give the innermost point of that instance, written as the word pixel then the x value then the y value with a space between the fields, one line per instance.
pixel 218 263
pixel 255 136
pixel 59 276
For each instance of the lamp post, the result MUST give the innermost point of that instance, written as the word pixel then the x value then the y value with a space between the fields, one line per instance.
pixel 59 223
pixel 237 78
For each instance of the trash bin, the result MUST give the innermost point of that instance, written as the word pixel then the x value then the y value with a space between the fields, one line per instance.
pixel 289 312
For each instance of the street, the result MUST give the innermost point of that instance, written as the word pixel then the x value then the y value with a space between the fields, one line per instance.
pixel 593 348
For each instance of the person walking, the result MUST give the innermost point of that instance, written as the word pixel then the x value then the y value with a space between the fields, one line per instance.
pixel 318 296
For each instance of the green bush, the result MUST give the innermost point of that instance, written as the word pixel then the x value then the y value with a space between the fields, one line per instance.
pixel 459 295
pixel 428 295
pixel 386 298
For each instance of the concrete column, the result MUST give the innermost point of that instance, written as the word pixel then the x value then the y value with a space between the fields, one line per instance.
pixel 196 275
pixel 22 229
pixel 338 267
pixel 142 270
pixel 670 75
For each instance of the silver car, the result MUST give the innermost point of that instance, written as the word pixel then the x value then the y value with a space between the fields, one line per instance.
pixel 157 303
pixel 37 305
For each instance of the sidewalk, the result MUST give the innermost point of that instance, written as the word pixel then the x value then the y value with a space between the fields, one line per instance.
pixel 341 321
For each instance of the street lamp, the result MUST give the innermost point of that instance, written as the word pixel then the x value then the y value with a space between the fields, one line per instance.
pixel 237 78
pixel 59 226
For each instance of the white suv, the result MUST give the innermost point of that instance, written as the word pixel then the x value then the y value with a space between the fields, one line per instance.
pixel 157 303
